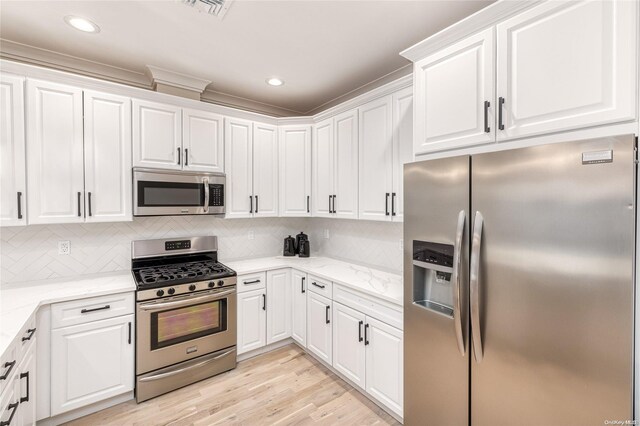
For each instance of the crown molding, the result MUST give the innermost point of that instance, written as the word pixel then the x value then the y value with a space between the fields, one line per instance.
pixel 176 79
pixel 482 19
pixel 220 98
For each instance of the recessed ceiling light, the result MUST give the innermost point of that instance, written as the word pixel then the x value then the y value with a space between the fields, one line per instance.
pixel 82 24
pixel 274 81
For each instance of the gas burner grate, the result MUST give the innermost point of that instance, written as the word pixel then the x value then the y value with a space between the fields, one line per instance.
pixel 183 271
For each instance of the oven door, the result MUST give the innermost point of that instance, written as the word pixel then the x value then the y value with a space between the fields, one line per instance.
pixel 176 329
pixel 159 193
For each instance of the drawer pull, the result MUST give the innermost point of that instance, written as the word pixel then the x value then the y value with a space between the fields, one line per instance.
pixel 86 311
pixel 31 332
pixel 9 366
pixel 318 285
pixel 25 398
pixel 13 407
pixel 251 282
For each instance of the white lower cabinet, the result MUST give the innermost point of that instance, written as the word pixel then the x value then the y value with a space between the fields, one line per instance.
pixel 299 307
pixel 278 305
pixel 348 343
pixel 319 329
pixel 252 320
pixel 91 362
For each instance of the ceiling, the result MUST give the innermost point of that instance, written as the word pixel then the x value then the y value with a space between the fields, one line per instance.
pixel 321 49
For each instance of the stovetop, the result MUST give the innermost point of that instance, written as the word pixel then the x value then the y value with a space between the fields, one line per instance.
pixel 165 271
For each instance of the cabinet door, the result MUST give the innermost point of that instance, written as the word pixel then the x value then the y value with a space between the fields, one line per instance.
pixel 13 172
pixel 345 200
pixel 402 146
pixel 10 402
pixel 278 305
pixel 27 386
pixel 564 65
pixel 202 141
pixel 265 170
pixel 375 160
pixel 295 171
pixel 299 307
pixel 157 135
pixel 384 359
pixel 92 362
pixel 107 157
pixel 252 320
pixel 319 326
pixel 239 166
pixel 323 186
pixel 451 89
pixel 348 343
pixel 54 153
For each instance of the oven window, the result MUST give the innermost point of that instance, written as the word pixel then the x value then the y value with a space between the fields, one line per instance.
pixel 169 194
pixel 191 322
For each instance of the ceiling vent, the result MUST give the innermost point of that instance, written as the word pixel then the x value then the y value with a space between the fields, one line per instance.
pixel 212 7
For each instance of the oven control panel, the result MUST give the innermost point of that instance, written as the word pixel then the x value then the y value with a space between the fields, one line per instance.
pixel 177 245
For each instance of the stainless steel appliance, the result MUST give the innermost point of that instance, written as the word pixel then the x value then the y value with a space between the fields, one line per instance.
pixel 519 286
pixel 185 313
pixel 171 193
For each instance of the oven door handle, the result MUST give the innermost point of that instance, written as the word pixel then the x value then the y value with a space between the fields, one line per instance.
pixel 184 301
pixel 191 367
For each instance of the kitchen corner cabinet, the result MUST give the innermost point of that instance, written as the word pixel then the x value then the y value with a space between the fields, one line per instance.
pixel 13 170
pixel 455 95
pixel 251 151
pixel 278 305
pixel 319 327
pixel 565 65
pixel 385 144
pixel 295 170
pixel 299 307
pixel 335 167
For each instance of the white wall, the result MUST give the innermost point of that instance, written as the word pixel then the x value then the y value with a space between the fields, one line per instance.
pixel 31 252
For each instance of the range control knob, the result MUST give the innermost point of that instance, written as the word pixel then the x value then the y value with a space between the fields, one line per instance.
pixel 171 290
pixel 211 284
pixel 192 287
pixel 160 293
pixel 220 283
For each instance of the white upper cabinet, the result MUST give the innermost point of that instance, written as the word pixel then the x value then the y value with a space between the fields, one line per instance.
pixel 12 152
pixel 295 170
pixel 107 157
pixel 565 65
pixel 202 141
pixel 345 194
pixel 157 135
pixel 375 159
pixel 239 166
pixel 299 307
pixel 402 146
pixel 323 164
pixel 54 153
pixel 455 93
pixel 278 305
pixel 265 170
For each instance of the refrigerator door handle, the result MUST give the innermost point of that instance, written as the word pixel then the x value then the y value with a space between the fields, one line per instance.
pixel 474 286
pixel 457 317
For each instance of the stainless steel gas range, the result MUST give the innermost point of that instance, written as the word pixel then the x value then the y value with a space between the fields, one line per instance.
pixel 186 313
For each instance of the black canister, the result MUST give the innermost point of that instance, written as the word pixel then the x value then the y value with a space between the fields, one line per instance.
pixel 300 238
pixel 289 246
pixel 304 250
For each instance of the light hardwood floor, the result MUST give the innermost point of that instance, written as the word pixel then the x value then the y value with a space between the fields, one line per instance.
pixel 283 387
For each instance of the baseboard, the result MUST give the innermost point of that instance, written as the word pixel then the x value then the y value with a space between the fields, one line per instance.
pixel 85 411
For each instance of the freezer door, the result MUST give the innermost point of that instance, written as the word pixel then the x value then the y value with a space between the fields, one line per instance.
pixel 555 285
pixel 436 344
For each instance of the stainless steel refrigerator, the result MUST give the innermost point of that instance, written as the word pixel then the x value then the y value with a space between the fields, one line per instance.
pixel 519 286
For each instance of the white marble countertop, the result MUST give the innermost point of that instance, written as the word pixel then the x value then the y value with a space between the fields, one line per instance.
pixel 19 301
pixel 381 284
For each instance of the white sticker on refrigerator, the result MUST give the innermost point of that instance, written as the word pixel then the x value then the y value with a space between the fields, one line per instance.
pixel 597 157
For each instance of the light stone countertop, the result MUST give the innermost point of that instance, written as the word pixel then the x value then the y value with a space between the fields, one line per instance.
pixel 380 284
pixel 20 301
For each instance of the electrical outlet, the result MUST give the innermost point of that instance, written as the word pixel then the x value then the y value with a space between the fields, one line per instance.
pixel 401 245
pixel 64 247
pixel 326 233
pixel 251 235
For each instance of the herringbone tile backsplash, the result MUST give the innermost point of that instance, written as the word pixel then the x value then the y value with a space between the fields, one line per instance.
pixel 31 252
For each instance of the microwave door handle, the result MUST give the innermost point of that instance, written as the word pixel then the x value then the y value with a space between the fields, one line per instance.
pixel 205 207
pixel 186 301
pixel 474 286
pixel 455 279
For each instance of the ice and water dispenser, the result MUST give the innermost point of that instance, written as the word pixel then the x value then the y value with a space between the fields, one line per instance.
pixel 432 272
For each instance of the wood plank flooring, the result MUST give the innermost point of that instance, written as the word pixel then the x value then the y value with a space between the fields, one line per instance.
pixel 283 387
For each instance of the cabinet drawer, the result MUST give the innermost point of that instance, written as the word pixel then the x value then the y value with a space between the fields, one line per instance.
pixel 376 308
pixel 251 281
pixel 320 286
pixel 87 310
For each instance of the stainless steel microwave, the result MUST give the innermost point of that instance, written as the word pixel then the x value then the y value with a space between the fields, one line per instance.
pixel 174 193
